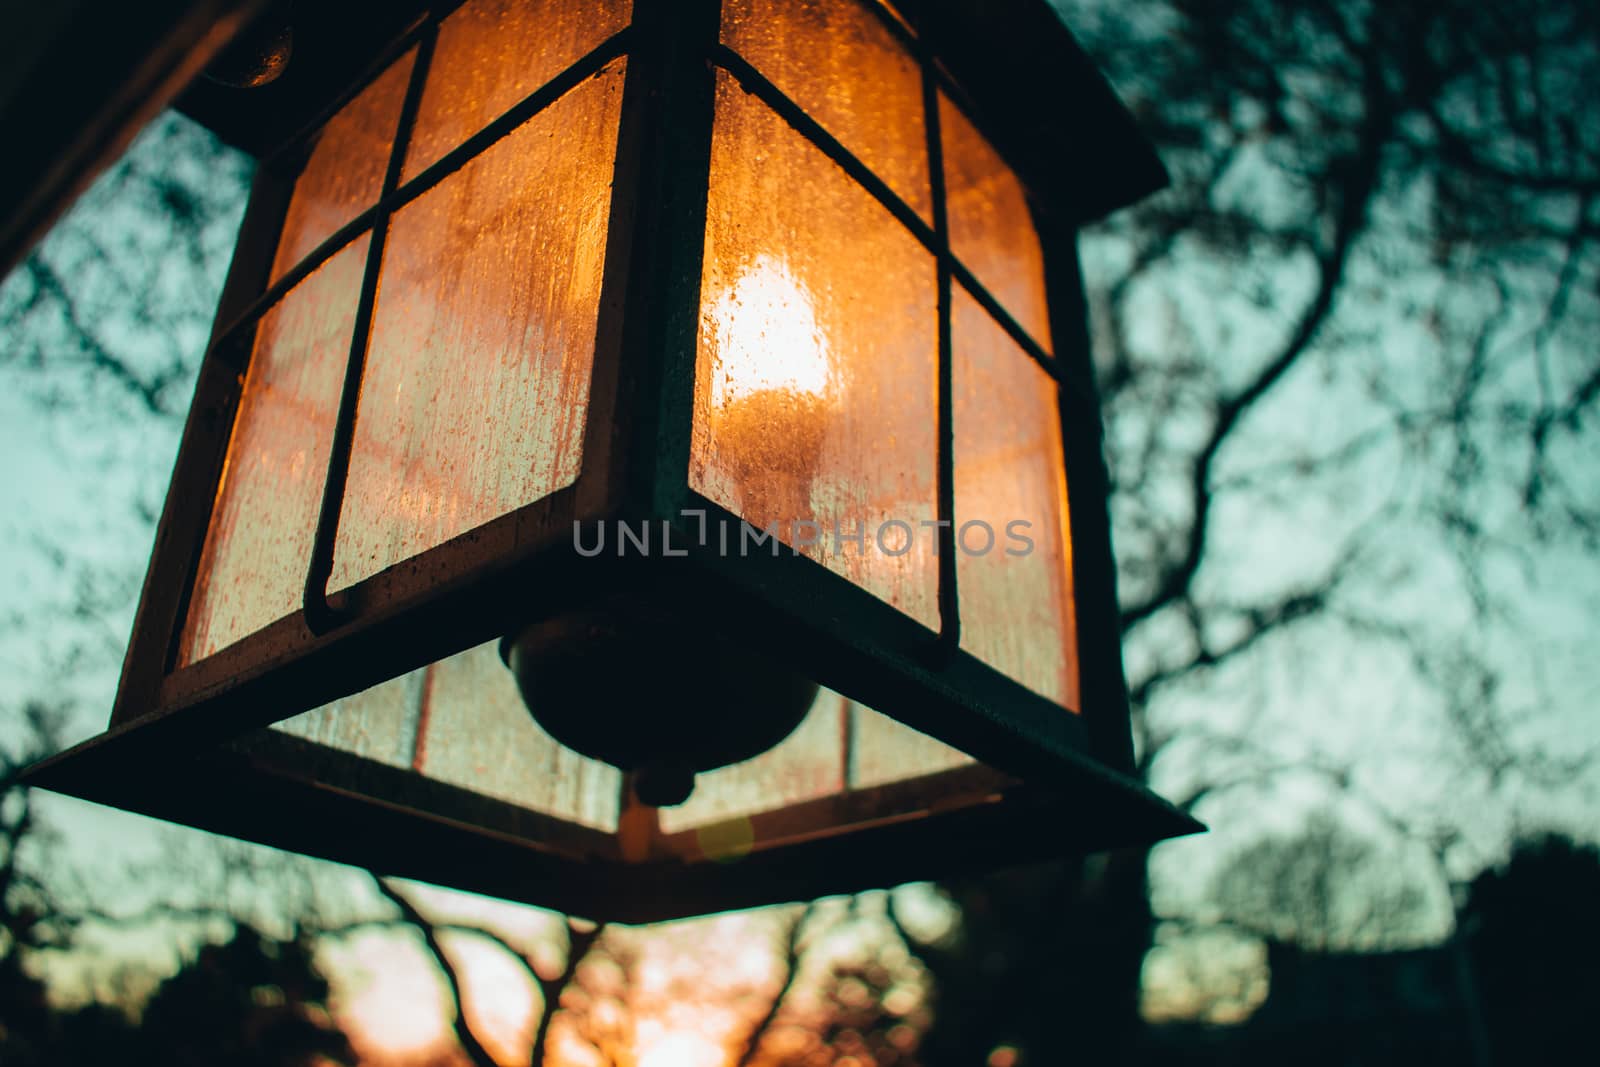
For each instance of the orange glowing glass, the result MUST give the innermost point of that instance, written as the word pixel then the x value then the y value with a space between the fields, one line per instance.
pixel 815 385
pixel 344 174
pixel 477 375
pixel 841 747
pixel 253 567
pixel 841 63
pixel 991 226
pixel 1014 559
pixel 492 53
pixel 477 364
pixel 809 764
pixel 460 721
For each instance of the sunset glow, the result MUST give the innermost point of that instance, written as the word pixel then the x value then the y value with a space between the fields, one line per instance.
pixel 682 1049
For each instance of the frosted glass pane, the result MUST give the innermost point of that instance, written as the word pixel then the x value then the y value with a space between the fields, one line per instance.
pixel 493 53
pixel 460 721
pixel 843 66
pixel 808 764
pixel 991 228
pixel 257 550
pixel 378 723
pixel 344 174
pixel 477 734
pixel 477 375
pixel 840 747
pixel 885 751
pixel 816 378
pixel 1016 596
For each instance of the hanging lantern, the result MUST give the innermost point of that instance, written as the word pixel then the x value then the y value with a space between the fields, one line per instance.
pixel 647 460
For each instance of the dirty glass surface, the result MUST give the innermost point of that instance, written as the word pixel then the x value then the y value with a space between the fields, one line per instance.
pixel 476 385
pixel 1014 558
pixel 490 54
pixel 258 547
pixel 845 68
pixel 814 409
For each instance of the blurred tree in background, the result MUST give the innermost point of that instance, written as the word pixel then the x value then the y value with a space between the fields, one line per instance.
pixel 250 1000
pixel 246 998
pixel 29 918
pixel 1324 887
pixel 1351 379
pixel 1351 382
pixel 1532 929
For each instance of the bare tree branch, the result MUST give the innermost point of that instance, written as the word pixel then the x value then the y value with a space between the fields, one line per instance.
pixel 792 952
pixel 579 942
pixel 459 1023
pixel 1358 182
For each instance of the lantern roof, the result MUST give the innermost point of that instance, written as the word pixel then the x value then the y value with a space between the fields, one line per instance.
pixel 1037 94
pixel 81 83
pixel 1044 102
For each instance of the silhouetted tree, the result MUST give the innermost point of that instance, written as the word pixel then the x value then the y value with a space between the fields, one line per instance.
pixel 867 1006
pixel 1027 964
pixel 1325 887
pixel 1348 375
pixel 30 919
pixel 552 983
pixel 252 1000
pixel 1532 930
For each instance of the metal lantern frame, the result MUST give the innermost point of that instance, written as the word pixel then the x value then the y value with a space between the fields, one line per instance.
pixel 186 742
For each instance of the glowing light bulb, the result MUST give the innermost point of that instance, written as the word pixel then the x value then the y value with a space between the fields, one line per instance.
pixel 773 384
pixel 767 337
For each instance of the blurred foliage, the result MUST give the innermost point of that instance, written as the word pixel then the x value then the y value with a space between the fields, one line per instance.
pixel 1532 927
pixel 1351 393
pixel 112 310
pixel 1322 887
pixel 250 1000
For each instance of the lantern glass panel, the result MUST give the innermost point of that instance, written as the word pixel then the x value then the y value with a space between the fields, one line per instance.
pixel 476 385
pixel 253 565
pixel 841 747
pixel 816 379
pixel 344 174
pixel 885 751
pixel 461 721
pixel 476 733
pixel 808 764
pixel 379 724
pixel 492 53
pixel 1015 580
pixel 991 227
pixel 848 71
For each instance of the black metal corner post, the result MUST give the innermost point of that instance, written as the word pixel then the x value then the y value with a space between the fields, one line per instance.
pixel 645 361
pixel 668 105
pixel 321 615
pixel 1102 686
pixel 191 494
pixel 949 592
pixel 599 492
